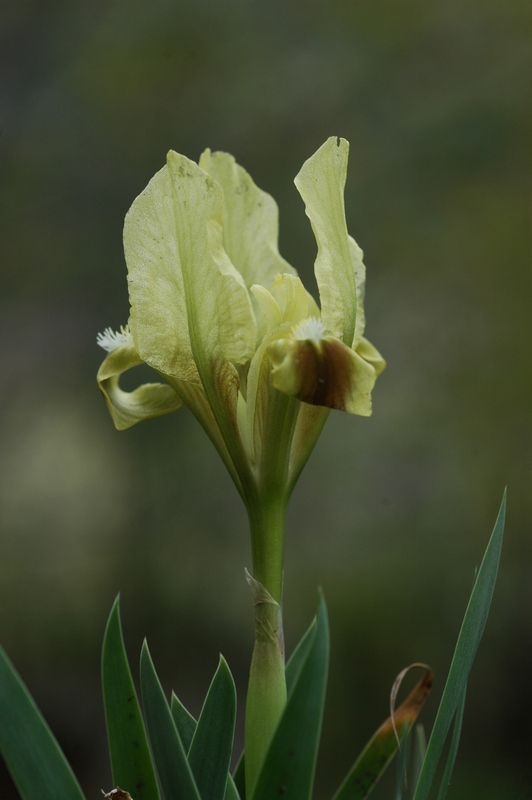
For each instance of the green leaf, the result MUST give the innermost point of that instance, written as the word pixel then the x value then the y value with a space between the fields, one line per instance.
pixel 174 773
pixel 232 793
pixel 186 726
pixel 464 654
pixel 210 752
pixel 298 658
pixel 289 766
pixel 184 722
pixel 420 748
pixel 128 746
pixel 453 750
pixel 239 776
pixel 30 750
pixel 382 746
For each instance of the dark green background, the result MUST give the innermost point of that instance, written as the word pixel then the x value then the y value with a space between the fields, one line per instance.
pixel 393 512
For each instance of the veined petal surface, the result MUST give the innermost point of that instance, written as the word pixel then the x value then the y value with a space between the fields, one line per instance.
pixel 250 221
pixel 189 305
pixel 320 183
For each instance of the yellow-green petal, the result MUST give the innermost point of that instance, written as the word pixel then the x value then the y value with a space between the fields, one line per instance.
pixel 371 355
pixel 189 305
pixel 250 221
pixel 320 183
pixel 159 320
pixel 327 373
pixel 127 408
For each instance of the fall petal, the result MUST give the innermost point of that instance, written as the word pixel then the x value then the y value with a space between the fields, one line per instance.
pixel 127 408
pixel 327 373
pixel 371 355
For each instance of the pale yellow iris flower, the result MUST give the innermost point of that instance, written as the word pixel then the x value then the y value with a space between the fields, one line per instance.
pixel 227 323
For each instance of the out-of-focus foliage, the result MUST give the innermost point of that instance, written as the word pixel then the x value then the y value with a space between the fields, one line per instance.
pixel 435 100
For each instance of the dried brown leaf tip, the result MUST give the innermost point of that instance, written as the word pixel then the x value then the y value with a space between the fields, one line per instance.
pixel 117 794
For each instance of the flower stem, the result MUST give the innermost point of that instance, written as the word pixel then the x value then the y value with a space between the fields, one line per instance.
pixel 267 686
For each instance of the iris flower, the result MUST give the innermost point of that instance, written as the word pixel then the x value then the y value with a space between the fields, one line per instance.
pixel 233 333
pixel 228 324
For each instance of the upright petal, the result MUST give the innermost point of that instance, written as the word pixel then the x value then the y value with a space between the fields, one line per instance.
pixel 320 183
pixel 189 305
pixel 250 221
pixel 159 318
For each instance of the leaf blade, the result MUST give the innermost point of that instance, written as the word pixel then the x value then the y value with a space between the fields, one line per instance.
pixel 131 761
pixel 209 756
pixel 174 773
pixel 466 647
pixel 382 746
pixel 33 756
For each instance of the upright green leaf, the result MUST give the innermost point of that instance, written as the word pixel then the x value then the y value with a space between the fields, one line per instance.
pixel 174 773
pixel 184 722
pixel 453 750
pixel 209 756
pixel 382 746
pixel 464 654
pixel 289 766
pixel 420 748
pixel 299 656
pixel 30 750
pixel 186 726
pixel 128 746
pixel 239 776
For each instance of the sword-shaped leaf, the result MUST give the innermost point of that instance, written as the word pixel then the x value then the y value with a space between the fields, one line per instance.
pixel 464 654
pixel 131 762
pixel 30 750
pixel 174 773
pixel 209 756
pixel 383 745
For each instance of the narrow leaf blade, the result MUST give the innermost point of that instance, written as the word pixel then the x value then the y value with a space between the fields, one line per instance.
pixel 290 763
pixel 171 763
pixel 210 752
pixel 464 654
pixel 382 746
pixel 131 762
pixel 184 722
pixel 453 750
pixel 30 750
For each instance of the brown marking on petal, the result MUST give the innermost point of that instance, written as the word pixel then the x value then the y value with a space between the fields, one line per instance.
pixel 325 372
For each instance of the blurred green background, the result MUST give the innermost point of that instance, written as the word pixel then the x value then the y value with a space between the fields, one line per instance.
pixel 393 512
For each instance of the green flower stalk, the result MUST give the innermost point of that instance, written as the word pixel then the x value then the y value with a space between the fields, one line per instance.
pixel 233 333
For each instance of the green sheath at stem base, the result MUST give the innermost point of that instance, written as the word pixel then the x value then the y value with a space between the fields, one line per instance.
pixel 267 685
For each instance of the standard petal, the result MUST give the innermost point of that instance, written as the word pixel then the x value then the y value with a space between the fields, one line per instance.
pixel 360 279
pixel 321 184
pixel 189 305
pixel 159 318
pixel 127 408
pixel 250 221
pixel 326 374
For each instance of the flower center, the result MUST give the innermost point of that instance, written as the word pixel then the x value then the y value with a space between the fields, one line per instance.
pixel 309 329
pixel 111 340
